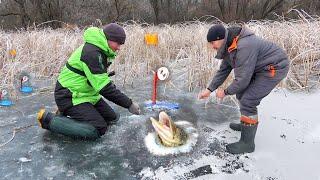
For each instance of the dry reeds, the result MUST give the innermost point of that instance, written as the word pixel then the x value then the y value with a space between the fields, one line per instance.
pixel 182 47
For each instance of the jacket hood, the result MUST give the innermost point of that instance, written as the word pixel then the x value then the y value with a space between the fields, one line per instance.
pixel 95 36
pixel 245 32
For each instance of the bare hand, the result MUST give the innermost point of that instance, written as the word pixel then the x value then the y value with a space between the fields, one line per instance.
pixel 204 94
pixel 220 94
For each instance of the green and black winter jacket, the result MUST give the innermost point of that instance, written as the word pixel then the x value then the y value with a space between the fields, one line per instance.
pixel 84 78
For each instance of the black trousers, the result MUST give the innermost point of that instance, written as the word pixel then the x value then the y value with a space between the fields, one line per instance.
pixel 99 115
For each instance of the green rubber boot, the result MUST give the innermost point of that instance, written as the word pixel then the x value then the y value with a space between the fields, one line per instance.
pixel 66 126
pixel 235 126
pixel 246 143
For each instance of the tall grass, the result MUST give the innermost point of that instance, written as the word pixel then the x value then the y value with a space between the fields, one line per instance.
pixel 182 47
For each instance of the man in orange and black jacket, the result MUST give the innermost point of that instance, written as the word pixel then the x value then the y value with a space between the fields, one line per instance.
pixel 259 65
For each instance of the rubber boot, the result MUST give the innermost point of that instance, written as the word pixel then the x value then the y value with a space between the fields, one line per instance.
pixel 246 143
pixel 66 126
pixel 235 126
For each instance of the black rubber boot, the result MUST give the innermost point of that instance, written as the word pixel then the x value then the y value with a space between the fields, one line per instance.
pixel 235 126
pixel 246 143
pixel 44 117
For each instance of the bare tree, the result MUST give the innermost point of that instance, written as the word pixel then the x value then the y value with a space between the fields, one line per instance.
pixel 155 6
pixel 269 7
pixel 121 7
pixel 24 16
pixel 84 13
pixel 49 10
pixel 243 10
pixel 35 11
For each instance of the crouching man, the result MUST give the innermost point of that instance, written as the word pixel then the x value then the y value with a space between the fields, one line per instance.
pixel 82 83
pixel 259 65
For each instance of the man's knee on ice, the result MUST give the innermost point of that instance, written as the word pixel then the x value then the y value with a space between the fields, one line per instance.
pixel 113 119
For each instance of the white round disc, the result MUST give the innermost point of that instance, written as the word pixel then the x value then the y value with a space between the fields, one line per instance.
pixel 4 92
pixel 25 78
pixel 163 73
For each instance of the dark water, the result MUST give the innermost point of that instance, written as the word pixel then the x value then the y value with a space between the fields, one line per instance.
pixel 120 154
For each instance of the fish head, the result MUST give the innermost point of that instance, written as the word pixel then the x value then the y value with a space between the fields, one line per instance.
pixel 167 131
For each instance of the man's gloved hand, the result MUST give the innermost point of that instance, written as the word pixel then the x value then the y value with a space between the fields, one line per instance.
pixel 134 108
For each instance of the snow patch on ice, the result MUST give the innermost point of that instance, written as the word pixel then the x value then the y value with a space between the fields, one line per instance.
pixel 24 159
pixel 315 134
pixel 288 134
pixel 146 173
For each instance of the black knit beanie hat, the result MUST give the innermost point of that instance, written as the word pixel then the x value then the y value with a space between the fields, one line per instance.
pixel 216 32
pixel 115 32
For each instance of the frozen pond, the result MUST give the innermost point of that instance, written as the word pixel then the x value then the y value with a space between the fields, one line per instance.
pixel 35 153
pixel 120 154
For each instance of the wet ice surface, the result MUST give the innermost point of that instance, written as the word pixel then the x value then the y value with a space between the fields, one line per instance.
pixel 35 153
pixel 38 154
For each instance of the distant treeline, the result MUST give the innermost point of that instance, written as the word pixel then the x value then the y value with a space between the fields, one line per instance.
pixel 56 13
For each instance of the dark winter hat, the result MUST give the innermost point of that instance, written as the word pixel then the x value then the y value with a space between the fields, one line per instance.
pixel 115 32
pixel 216 32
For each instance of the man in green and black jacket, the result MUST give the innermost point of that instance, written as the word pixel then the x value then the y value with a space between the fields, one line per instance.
pixel 85 79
